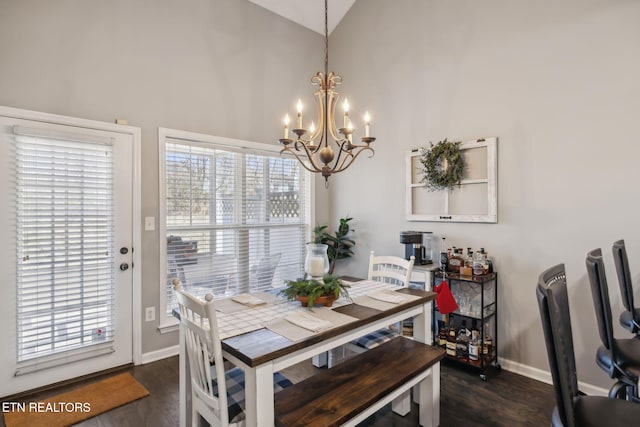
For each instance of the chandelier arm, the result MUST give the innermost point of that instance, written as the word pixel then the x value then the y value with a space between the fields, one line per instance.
pixel 337 159
pixel 301 160
pixel 338 164
pixel 352 158
pixel 305 144
pixel 310 154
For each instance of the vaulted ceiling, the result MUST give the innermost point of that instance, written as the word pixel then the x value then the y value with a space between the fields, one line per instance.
pixel 308 13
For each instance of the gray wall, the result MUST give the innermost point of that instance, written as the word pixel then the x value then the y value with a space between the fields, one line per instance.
pixel 221 67
pixel 557 83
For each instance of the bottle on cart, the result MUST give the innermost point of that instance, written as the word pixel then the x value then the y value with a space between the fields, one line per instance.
pixel 455 261
pixel 488 263
pixel 478 263
pixel 462 342
pixel 451 341
pixel 444 257
pixel 443 332
pixel 487 345
pixel 474 347
pixel 469 258
pixel 466 269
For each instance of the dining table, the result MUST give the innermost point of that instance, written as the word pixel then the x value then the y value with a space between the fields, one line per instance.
pixel 263 339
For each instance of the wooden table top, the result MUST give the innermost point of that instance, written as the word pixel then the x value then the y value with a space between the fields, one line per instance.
pixel 260 346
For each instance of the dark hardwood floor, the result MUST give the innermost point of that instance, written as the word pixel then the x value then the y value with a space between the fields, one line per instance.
pixel 505 399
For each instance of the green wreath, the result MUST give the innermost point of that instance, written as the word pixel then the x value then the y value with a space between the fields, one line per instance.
pixel 443 165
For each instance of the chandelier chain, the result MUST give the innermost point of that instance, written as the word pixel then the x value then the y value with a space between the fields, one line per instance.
pixel 326 38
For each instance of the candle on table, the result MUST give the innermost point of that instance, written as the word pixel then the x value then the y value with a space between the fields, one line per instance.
pixel 316 266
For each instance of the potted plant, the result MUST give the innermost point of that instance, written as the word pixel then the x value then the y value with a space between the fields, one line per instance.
pixel 339 244
pixel 313 291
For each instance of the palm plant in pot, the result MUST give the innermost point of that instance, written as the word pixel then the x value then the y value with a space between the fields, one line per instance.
pixel 313 291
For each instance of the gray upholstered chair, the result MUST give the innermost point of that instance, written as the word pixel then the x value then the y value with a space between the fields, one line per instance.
pixel 573 408
pixel 630 318
pixel 619 358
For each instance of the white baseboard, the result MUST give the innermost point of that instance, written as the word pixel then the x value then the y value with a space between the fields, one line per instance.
pixel 163 353
pixel 545 377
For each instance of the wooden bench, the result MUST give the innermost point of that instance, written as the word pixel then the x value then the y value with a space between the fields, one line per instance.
pixel 353 390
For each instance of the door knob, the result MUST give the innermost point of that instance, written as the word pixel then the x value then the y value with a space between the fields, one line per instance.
pixel 124 266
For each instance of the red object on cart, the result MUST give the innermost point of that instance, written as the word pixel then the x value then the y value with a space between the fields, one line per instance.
pixel 445 301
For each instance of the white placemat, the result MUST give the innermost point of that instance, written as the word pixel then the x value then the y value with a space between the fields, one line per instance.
pixel 296 333
pixel 233 304
pixel 369 301
pixel 392 297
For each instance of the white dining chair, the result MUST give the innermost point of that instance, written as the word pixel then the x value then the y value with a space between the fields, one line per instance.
pixel 387 269
pixel 216 395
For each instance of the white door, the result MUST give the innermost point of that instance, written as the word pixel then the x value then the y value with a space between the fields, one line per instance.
pixel 66 253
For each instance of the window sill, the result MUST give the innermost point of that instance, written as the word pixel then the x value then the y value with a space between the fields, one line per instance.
pixel 169 325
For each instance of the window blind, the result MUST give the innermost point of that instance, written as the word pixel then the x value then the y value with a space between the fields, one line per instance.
pixel 237 220
pixel 65 241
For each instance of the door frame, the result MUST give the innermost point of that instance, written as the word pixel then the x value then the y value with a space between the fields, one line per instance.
pixel 136 201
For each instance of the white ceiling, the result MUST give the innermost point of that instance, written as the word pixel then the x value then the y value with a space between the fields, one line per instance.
pixel 308 13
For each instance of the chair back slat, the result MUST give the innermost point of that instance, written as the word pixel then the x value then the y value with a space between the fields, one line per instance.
pixel 600 294
pixel 390 269
pixel 624 275
pixel 204 351
pixel 553 303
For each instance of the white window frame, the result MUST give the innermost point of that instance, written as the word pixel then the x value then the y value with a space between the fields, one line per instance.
pixel 169 324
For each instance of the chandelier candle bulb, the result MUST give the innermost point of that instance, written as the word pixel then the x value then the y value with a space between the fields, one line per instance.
pixel 345 107
pixel 312 128
pixel 367 122
pixel 286 126
pixel 299 108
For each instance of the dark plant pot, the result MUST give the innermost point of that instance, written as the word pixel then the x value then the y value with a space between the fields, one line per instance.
pixel 326 300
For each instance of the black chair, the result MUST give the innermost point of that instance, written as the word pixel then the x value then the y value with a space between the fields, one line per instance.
pixel 573 408
pixel 629 319
pixel 619 358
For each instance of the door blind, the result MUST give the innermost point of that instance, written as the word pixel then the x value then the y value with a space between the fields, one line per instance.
pixel 65 241
pixel 237 220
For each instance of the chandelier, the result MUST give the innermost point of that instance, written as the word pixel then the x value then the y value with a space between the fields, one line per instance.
pixel 311 146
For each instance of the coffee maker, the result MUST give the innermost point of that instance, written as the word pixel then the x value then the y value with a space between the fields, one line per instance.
pixel 420 244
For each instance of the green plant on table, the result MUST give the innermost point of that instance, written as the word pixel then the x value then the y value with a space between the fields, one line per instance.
pixel 339 244
pixel 312 289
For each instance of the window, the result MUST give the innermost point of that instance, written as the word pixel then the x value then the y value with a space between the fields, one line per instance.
pixel 235 216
